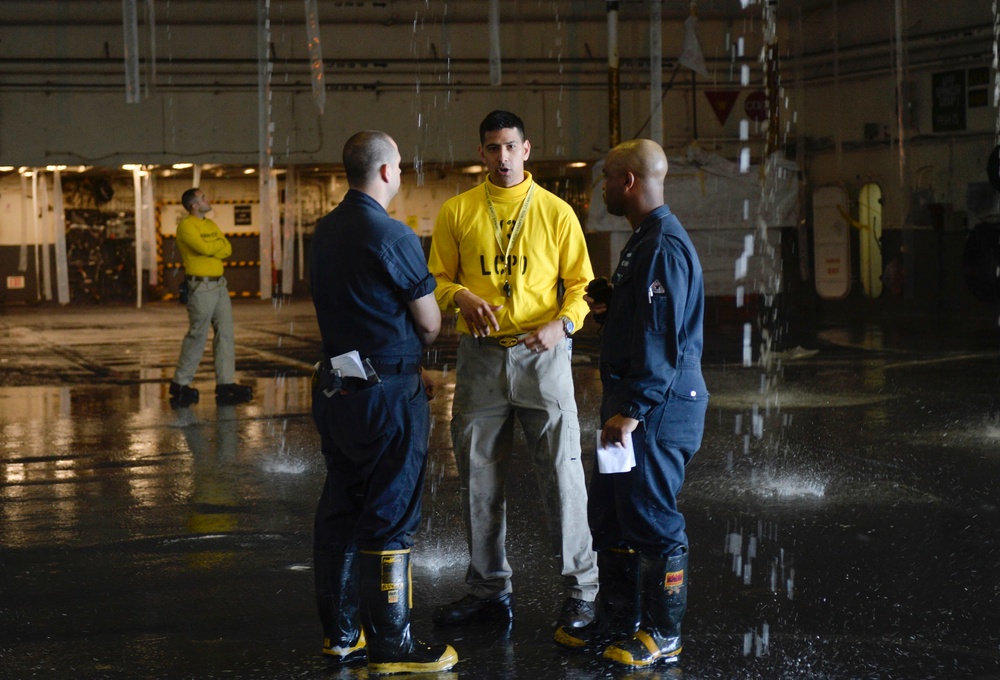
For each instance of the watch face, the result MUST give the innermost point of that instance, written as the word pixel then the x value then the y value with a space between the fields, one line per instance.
pixel 568 325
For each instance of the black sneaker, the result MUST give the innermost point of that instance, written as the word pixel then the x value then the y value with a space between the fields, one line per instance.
pixel 471 608
pixel 575 613
pixel 182 395
pixel 231 393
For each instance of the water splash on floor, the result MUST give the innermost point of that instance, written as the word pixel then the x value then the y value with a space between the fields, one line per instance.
pixel 788 485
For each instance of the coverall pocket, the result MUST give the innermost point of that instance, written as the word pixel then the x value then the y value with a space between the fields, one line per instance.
pixel 358 419
pixel 682 420
pixel 659 311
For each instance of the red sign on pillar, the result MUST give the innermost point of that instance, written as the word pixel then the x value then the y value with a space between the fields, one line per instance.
pixel 722 102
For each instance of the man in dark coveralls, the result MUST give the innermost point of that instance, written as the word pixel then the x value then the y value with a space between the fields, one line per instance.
pixel 653 393
pixel 373 294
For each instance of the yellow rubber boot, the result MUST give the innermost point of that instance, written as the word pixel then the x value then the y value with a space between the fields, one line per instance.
pixel 664 600
pixel 385 615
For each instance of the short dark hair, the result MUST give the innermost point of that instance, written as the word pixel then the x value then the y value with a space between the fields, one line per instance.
pixel 500 120
pixel 189 197
pixel 364 153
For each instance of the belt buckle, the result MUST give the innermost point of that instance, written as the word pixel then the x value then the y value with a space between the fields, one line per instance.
pixel 509 341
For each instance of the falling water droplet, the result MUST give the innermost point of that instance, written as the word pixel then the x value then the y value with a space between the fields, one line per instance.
pixel 747 349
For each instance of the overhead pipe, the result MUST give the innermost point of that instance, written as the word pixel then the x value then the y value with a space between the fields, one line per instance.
pixel 265 138
pixel 496 73
pixel 614 100
pixel 400 81
pixel 656 71
pixel 316 66
pixel 107 13
pixel 868 53
pixel 131 51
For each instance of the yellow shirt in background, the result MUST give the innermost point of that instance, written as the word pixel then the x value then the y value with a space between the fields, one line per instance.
pixel 551 247
pixel 203 246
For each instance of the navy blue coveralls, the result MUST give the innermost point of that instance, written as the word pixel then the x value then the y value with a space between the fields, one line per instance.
pixel 651 356
pixel 365 269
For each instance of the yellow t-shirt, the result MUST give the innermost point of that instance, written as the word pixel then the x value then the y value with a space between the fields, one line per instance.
pixel 550 247
pixel 203 246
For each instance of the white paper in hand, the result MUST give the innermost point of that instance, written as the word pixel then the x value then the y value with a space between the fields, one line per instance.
pixel 612 459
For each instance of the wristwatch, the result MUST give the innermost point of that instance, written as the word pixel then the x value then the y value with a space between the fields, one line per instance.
pixel 567 325
pixel 630 409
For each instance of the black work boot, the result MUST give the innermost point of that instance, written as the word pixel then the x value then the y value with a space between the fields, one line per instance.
pixel 182 395
pixel 338 602
pixel 472 609
pixel 385 615
pixel 576 613
pixel 617 614
pixel 231 393
pixel 664 600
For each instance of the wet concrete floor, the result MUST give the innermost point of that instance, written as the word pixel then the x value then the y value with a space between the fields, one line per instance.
pixel 844 512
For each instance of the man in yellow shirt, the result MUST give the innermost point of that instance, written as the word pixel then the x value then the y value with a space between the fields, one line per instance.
pixel 203 247
pixel 499 253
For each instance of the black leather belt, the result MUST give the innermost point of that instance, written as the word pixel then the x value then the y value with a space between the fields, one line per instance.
pixel 332 383
pixel 394 366
pixel 203 278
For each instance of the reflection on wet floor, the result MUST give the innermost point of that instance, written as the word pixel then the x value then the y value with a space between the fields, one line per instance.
pixel 842 512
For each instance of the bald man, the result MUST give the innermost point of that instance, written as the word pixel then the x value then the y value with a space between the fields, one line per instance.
pixel 373 295
pixel 654 395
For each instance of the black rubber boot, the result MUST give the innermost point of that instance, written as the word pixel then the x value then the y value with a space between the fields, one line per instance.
pixel 617 604
pixel 664 600
pixel 472 609
pixel 385 615
pixel 338 602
